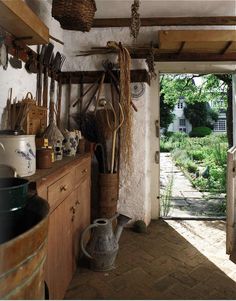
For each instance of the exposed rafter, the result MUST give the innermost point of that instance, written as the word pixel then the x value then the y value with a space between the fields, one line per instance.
pixel 168 21
pixel 182 45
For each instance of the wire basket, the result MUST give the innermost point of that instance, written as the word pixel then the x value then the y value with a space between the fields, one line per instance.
pixel 74 14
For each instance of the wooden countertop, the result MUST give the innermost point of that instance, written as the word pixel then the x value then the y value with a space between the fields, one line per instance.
pixel 58 166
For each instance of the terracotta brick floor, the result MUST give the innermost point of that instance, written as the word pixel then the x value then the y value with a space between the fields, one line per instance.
pixel 164 264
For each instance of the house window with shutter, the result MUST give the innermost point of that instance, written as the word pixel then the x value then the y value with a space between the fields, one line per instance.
pixel 220 125
pixel 182 122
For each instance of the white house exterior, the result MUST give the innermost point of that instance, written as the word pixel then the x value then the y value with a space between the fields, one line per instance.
pixel 180 123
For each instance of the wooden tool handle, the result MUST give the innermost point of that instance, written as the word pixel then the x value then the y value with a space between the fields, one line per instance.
pixel 45 88
pixel 59 104
pixel 39 85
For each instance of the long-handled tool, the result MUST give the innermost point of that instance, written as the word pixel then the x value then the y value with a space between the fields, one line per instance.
pixel 114 125
pixel 9 108
pixel 86 92
pixel 60 59
pixel 46 63
pixel 108 66
pixel 39 77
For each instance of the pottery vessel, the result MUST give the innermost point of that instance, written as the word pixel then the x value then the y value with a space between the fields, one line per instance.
pixel 44 158
pixel 58 150
pixel 70 143
pixel 19 152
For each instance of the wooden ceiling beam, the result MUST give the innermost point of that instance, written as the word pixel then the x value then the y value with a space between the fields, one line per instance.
pixel 167 21
pixel 181 47
pixel 196 57
pixel 227 47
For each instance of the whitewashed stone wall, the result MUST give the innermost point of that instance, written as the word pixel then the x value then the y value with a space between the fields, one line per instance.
pixel 19 79
pixel 137 194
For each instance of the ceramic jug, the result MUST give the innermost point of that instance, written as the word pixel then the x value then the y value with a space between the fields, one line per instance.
pixel 70 143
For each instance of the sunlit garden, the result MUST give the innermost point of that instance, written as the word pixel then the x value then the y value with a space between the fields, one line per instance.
pixel 203 160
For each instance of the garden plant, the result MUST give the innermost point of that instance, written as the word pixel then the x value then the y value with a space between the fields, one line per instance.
pixel 203 160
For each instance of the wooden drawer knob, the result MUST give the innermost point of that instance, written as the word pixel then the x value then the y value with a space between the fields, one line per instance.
pixel 63 187
pixel 72 209
pixel 84 171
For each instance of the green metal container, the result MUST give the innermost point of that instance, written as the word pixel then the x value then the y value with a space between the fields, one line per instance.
pixel 13 194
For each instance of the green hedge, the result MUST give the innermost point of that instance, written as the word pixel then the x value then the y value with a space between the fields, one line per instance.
pixel 200 131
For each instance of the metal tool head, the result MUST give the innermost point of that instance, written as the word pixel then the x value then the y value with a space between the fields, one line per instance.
pixel 57 62
pixel 63 58
pixel 48 54
pixel 42 53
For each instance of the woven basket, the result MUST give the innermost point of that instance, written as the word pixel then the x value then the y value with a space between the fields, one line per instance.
pixel 74 14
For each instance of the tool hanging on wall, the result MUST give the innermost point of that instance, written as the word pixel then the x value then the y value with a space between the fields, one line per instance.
pixel 59 93
pixel 86 92
pixel 9 99
pixel 52 132
pixel 46 62
pixel 40 75
pixel 14 61
pixel 69 103
pixel 59 63
pixel 108 66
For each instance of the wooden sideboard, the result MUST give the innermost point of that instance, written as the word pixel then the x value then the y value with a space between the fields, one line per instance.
pixel 66 187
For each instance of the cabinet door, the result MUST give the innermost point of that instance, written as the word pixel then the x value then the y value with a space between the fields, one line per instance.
pixel 59 260
pixel 81 217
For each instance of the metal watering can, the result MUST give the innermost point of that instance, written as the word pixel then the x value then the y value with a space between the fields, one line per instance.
pixel 103 246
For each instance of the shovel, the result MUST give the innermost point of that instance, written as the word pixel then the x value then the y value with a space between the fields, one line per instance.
pixel 39 76
pixel 46 62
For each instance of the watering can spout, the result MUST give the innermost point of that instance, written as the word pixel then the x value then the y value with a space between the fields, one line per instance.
pixel 122 220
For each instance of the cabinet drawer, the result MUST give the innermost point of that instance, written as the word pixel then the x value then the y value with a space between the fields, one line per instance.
pixel 60 189
pixel 82 170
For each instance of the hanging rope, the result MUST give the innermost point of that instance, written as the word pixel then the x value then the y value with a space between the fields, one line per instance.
pixel 125 101
pixel 135 20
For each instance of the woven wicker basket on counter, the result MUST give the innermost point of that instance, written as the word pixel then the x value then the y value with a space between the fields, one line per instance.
pixel 74 14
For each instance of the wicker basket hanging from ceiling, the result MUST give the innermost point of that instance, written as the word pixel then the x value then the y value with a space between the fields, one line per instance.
pixel 74 14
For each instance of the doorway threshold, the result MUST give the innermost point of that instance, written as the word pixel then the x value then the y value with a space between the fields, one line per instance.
pixel 195 218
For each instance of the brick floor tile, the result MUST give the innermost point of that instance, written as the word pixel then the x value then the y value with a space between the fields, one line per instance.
pixel 164 264
pixel 201 273
pixel 164 284
pixel 183 278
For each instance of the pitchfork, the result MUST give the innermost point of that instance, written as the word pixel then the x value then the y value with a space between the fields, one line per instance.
pixel 114 126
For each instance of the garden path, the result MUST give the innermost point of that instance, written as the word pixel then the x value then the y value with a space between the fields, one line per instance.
pixel 186 201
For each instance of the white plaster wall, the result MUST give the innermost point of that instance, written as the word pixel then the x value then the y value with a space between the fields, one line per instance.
pixel 154 148
pixel 135 189
pixel 19 79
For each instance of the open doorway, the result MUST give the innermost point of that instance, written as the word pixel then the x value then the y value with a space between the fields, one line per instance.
pixel 214 238
pixel 195 137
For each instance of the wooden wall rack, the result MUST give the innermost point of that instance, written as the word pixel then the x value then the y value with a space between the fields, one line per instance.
pixel 87 77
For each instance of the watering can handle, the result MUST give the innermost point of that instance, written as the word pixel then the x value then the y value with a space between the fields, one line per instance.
pixel 82 240
pixel 2 146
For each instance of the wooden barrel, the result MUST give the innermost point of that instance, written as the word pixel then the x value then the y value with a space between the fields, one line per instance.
pixel 22 257
pixel 108 194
